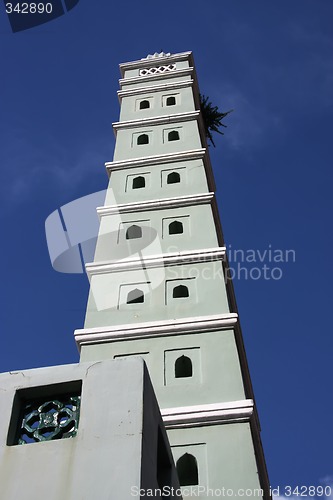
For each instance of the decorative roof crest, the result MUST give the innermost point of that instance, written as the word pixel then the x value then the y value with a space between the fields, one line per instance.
pixel 154 56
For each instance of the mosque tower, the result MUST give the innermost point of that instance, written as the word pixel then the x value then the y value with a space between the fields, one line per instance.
pixel 159 283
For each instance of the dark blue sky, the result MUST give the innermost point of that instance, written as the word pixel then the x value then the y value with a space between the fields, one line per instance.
pixel 270 61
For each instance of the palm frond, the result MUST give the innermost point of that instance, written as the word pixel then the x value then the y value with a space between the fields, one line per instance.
pixel 212 117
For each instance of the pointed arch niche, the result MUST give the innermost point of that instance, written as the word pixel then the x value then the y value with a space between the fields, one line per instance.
pixel 182 366
pixel 174 178
pixel 191 464
pixel 176 227
pixel 187 469
pixel 137 184
pixel 135 295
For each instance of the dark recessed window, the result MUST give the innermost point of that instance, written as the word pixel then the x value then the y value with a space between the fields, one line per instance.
pixel 183 367
pixel 142 139
pixel 187 469
pixel 135 296
pixel 173 135
pixel 138 182
pixel 133 232
pixel 171 101
pixel 180 291
pixel 176 227
pixel 144 104
pixel 173 178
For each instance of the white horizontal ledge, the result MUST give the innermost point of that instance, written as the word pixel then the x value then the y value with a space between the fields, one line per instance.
pixel 193 154
pixel 154 88
pixel 151 329
pixel 153 61
pixel 175 73
pixel 165 203
pixel 192 416
pixel 157 120
pixel 161 260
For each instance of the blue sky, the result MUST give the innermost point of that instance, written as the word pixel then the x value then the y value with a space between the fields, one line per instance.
pixel 269 61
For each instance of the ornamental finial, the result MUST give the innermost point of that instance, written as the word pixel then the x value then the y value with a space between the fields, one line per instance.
pixel 157 54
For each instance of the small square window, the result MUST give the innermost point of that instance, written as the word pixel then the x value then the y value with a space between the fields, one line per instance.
pixel 45 413
pixel 137 182
pixel 173 178
pixel 134 295
pixel 134 231
pixel 181 291
pixel 142 139
pixel 176 226
pixel 182 366
pixel 170 100
pixel 172 135
pixel 143 103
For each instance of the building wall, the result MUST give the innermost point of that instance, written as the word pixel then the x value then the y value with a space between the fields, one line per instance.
pixel 127 140
pixel 115 241
pixel 116 446
pixel 225 458
pixel 109 293
pixel 211 411
pixel 192 181
pixel 213 355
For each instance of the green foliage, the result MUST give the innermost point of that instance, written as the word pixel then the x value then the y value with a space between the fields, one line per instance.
pixel 212 117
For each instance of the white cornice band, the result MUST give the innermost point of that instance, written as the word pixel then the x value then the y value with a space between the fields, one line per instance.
pixel 182 156
pixel 152 61
pixel 151 329
pixel 156 76
pixel 143 206
pixel 161 260
pixel 157 120
pixel 193 154
pixel 193 416
pixel 154 88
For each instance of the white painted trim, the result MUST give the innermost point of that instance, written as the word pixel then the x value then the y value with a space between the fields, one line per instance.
pixel 157 120
pixel 153 61
pixel 161 260
pixel 159 204
pixel 192 416
pixel 176 73
pixel 153 329
pixel 193 154
pixel 154 88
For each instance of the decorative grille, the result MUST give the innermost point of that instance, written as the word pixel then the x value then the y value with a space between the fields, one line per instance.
pixel 49 420
pixel 157 69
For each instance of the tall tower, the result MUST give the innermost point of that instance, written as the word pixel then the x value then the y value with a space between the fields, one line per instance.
pixel 159 281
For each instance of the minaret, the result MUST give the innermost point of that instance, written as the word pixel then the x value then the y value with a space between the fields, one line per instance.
pixel 159 281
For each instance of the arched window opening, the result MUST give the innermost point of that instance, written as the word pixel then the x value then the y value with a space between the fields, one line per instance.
pixel 133 232
pixel 171 101
pixel 173 135
pixel 144 104
pixel 173 178
pixel 138 182
pixel 187 469
pixel 183 367
pixel 135 296
pixel 142 139
pixel 180 291
pixel 176 227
